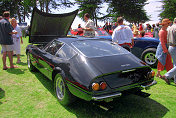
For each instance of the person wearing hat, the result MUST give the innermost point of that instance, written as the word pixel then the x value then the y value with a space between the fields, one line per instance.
pixel 171 40
pixel 123 35
pixel 162 54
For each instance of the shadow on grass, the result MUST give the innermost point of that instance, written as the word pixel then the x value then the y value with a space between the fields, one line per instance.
pixel 48 84
pixel 16 71
pixel 2 94
pixel 22 63
pixel 123 107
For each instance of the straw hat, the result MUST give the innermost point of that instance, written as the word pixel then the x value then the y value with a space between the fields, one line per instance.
pixel 165 21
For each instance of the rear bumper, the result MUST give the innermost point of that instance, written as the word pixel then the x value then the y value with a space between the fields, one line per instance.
pixel 107 96
pixel 146 87
pixel 88 96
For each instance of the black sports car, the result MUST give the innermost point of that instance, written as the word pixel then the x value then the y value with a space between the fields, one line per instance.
pixel 88 68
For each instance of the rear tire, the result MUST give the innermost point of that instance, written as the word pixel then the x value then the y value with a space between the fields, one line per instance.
pixel 148 56
pixel 62 93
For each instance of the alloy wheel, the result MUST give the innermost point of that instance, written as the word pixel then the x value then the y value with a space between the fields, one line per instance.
pixel 150 58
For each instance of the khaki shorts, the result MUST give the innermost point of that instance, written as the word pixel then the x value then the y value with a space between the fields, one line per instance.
pixel 6 48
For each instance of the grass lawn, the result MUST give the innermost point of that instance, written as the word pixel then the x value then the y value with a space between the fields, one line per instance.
pixel 24 95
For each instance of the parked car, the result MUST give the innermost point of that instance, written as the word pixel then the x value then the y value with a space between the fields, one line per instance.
pixel 92 69
pixel 144 47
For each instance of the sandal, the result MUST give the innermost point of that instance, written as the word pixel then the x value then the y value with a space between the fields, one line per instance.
pixel 160 76
pixel 14 66
pixel 5 68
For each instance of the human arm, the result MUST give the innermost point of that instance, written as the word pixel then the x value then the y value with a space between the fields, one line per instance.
pixel 132 41
pixel 9 29
pixel 14 32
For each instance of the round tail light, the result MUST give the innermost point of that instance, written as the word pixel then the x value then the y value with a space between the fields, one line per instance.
pixel 103 85
pixel 95 86
pixel 153 73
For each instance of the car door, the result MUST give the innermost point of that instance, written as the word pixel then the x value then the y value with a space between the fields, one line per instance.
pixel 46 65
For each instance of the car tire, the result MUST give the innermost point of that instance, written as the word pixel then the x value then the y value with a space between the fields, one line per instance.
pixel 148 56
pixel 61 90
pixel 30 66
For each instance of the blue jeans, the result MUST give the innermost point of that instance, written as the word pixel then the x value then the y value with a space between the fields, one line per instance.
pixel 172 73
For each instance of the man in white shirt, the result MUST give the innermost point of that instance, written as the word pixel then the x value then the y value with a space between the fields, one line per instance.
pixel 89 28
pixel 123 35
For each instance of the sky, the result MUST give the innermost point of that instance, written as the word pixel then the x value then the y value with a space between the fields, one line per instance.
pixel 153 9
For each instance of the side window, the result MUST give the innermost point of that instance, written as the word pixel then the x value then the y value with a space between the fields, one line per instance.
pixel 66 52
pixel 53 47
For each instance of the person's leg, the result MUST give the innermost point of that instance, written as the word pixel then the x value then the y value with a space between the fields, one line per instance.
pixel 169 64
pixel 18 58
pixel 10 55
pixel 172 73
pixel 172 51
pixel 160 67
pixel 4 60
pixel 18 50
pixel 4 56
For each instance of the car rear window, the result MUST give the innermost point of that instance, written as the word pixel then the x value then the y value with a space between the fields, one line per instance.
pixel 98 48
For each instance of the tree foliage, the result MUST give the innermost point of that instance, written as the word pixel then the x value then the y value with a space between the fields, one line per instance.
pixel 168 9
pixel 132 10
pixel 90 6
pixel 20 9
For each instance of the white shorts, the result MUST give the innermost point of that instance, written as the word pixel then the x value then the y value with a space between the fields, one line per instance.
pixel 6 48
pixel 16 45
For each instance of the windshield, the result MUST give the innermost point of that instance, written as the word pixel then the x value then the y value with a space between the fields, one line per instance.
pixel 101 33
pixel 98 48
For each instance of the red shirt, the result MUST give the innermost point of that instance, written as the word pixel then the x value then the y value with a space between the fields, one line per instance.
pixel 163 39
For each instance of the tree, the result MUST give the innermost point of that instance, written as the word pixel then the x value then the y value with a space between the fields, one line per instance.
pixel 131 10
pixel 20 9
pixel 90 6
pixel 168 9
pixel 47 5
pixel 7 6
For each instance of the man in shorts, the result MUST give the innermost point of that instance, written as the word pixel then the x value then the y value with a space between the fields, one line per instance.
pixel 6 40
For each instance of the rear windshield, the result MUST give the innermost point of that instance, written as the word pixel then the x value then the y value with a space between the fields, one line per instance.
pixel 98 48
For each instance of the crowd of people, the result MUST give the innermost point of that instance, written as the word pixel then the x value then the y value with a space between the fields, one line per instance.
pixel 10 38
pixel 123 35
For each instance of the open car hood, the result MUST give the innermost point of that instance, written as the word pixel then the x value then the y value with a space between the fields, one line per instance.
pixel 45 26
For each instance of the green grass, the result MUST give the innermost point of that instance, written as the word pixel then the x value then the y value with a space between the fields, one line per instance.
pixel 25 95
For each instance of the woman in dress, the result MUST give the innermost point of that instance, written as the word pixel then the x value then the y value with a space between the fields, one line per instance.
pixel 16 38
pixel 162 54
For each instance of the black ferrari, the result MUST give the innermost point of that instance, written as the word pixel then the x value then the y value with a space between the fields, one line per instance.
pixel 87 68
